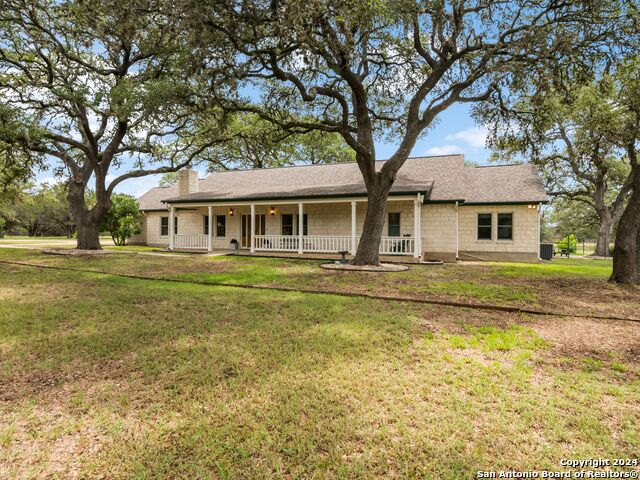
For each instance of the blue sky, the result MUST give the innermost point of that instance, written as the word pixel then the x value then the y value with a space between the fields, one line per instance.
pixel 454 132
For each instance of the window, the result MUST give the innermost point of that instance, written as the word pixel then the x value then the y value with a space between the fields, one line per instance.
pixel 164 226
pixel 221 226
pixel 290 225
pixel 394 224
pixel 485 226
pixel 287 224
pixel 206 225
pixel 505 226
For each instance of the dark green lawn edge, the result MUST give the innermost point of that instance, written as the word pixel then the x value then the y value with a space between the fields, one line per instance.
pixel 424 301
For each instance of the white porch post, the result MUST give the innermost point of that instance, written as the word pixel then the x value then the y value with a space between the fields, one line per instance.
pixel 416 228
pixel 539 207
pixel 353 228
pixel 253 228
pixel 457 232
pixel 300 227
pixel 172 214
pixel 210 228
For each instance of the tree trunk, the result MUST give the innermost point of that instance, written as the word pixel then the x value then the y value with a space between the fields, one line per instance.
pixel 604 236
pixel 368 252
pixel 626 253
pixel 87 221
pixel 88 236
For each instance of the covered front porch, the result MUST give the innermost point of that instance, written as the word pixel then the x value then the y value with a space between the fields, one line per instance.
pixel 318 226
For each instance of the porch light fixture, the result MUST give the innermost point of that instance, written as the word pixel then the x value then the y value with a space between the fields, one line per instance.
pixel 231 212
pixel 272 211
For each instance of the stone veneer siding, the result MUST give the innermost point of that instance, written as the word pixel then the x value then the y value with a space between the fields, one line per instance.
pixel 523 247
pixel 439 232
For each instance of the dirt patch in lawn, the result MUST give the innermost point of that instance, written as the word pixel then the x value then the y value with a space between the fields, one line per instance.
pixel 457 320
pixel 566 337
pixel 581 337
pixel 588 296
pixel 27 384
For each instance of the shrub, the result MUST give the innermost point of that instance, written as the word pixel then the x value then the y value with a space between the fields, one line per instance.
pixel 123 219
pixel 568 243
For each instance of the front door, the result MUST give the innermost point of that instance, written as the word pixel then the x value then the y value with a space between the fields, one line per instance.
pixel 245 234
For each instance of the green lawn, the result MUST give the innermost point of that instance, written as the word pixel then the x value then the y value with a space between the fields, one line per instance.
pixel 109 377
pixel 558 267
pixel 563 285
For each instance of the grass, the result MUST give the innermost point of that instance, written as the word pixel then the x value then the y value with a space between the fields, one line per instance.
pixel 559 267
pixel 120 378
pixel 564 285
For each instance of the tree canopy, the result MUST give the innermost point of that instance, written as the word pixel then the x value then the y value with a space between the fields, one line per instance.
pixel 373 70
pixel 95 86
pixel 567 124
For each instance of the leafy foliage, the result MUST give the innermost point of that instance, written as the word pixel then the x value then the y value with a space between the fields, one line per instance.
pixel 93 86
pixel 122 220
pixel 568 243
pixel 168 179
pixel 40 210
pixel 257 143
pixel 565 116
pixel 371 71
pixel 569 216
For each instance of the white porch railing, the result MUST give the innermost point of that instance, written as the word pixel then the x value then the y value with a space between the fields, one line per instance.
pixel 325 243
pixel 191 242
pixel 276 243
pixel 329 244
pixel 310 243
pixel 397 245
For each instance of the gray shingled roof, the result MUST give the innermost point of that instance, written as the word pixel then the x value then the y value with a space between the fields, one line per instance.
pixel 441 179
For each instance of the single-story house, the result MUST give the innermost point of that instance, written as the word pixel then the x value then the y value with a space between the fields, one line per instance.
pixel 438 208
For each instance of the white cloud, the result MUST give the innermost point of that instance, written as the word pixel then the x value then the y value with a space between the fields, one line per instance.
pixel 444 150
pixel 474 136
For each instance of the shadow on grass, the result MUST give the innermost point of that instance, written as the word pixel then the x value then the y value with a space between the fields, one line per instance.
pixel 57 323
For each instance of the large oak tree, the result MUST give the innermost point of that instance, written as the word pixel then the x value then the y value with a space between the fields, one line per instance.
pixel 567 125
pixel 626 254
pixel 373 70
pixel 95 86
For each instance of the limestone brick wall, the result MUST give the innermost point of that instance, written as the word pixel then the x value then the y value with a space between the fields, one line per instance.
pixel 140 238
pixel 439 231
pixel 525 230
pixel 152 229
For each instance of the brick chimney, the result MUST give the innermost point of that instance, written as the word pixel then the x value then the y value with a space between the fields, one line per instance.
pixel 187 181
